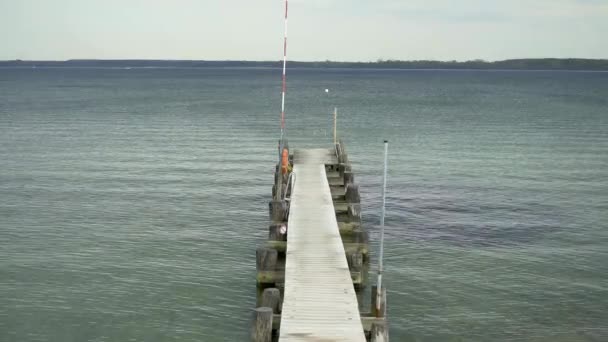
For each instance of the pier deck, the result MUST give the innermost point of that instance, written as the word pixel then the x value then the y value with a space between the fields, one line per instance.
pixel 320 302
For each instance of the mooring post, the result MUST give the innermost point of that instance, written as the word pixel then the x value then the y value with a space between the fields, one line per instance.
pixel 261 327
pixel 271 298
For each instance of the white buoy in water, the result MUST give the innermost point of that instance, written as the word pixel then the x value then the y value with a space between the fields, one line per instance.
pixel 326 90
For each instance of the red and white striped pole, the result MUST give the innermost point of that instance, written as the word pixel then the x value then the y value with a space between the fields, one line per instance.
pixel 283 91
pixel 284 73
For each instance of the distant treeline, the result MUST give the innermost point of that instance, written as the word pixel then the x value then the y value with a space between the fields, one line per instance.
pixel 510 64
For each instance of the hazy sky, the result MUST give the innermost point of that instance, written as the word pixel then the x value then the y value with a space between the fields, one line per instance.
pixel 350 30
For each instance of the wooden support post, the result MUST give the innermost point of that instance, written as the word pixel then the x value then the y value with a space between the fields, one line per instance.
pixel 339 151
pixel 346 170
pixel 277 232
pixel 280 181
pixel 360 236
pixel 379 332
pixel 348 177
pixel 266 259
pixel 375 312
pixel 272 298
pixel 355 264
pixel 342 158
pixel 352 193
pixel 278 210
pixel 355 261
pixel 261 327
pixel 354 213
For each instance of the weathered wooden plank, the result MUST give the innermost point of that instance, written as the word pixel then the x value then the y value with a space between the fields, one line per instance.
pixel 349 247
pixel 278 277
pixel 366 321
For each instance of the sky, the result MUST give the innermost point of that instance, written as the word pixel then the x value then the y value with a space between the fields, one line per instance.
pixel 341 30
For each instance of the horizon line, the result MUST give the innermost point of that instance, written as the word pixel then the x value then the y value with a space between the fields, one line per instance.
pixel 380 60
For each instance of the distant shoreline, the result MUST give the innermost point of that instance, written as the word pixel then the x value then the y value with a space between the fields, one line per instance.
pixel 543 64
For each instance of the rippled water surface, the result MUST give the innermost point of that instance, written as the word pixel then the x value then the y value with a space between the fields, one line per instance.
pixel 132 201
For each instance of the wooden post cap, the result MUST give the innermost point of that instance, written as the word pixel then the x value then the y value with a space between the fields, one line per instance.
pixel 271 298
pixel 261 326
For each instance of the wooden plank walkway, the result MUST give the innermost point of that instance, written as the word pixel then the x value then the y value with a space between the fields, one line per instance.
pixel 319 303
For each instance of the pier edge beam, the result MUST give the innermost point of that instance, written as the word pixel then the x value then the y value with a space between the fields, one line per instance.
pixel 261 327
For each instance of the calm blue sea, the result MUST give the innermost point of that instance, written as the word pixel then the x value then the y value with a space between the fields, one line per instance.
pixel 132 201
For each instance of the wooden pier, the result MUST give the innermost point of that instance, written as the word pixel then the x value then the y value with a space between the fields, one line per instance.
pixel 313 270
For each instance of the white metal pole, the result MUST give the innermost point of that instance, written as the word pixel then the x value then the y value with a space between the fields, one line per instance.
pixel 380 263
pixel 284 76
pixel 335 125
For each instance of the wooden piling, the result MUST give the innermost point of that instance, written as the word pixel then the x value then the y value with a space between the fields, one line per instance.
pixel 351 194
pixel 278 210
pixel 353 213
pixel 271 297
pixel 261 327
pixel 266 264
pixel 348 176
pixel 355 261
pixel 360 236
pixel 339 151
pixel 379 332
pixel 342 168
pixel 266 259
pixel 277 232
